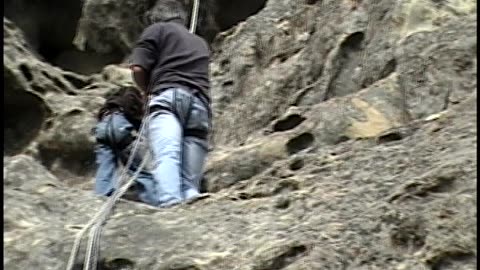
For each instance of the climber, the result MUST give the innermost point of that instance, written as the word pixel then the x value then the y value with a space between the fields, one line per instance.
pixel 171 65
pixel 118 119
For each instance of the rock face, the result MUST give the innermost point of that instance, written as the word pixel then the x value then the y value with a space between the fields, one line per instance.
pixel 358 150
pixel 313 53
pixel 49 111
pixel 113 26
pixel 404 204
pixel 49 28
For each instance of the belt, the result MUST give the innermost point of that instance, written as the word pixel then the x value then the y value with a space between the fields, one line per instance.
pixel 201 134
pixel 197 93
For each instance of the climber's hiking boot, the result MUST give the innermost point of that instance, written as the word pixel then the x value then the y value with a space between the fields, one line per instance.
pixel 199 197
pixel 131 194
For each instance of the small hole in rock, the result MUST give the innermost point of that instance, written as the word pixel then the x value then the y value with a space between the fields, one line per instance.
pixel 77 82
pixel 353 41
pixel 227 83
pixel 283 58
pixel 26 72
pixel 282 203
pixel 243 196
pixel 119 264
pixel 59 83
pixel 74 112
pixel 48 124
pixel 389 68
pixel 299 143
pixel 44 73
pixel 38 89
pixel 230 13
pixel 389 137
pixel 288 123
pixel 224 63
pixel 297 165
pixel 115 264
pixel 342 139
pixel 452 259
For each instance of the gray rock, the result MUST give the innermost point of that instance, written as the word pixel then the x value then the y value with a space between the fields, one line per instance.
pixel 24 173
pixel 50 112
pixel 337 216
pixel 113 26
pixel 344 139
pixel 295 54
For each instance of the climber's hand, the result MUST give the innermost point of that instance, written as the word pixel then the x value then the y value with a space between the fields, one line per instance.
pixel 139 77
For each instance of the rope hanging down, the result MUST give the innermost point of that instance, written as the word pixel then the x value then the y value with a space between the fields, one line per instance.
pixel 97 222
pixel 193 21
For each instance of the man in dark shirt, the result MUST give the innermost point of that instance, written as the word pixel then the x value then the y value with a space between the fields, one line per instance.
pixel 172 65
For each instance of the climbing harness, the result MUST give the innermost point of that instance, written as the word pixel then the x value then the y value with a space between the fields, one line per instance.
pixel 96 223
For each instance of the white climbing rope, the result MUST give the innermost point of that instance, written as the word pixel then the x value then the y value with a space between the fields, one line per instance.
pixel 101 216
pixel 92 250
pixel 91 254
pixel 194 18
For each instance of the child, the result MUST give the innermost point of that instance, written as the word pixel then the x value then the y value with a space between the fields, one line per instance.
pixel 118 119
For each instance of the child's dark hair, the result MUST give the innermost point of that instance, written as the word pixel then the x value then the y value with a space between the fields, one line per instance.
pixel 127 99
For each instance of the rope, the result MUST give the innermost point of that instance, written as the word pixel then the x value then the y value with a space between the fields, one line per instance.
pixel 193 21
pixel 92 251
pixel 91 254
pixel 101 215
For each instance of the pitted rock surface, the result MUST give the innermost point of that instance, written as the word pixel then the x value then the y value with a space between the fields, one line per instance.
pixel 344 136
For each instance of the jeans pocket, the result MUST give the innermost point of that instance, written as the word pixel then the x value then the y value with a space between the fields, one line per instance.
pixel 199 118
pixel 188 108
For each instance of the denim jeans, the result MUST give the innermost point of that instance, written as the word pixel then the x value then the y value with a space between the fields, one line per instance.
pixel 106 159
pixel 178 160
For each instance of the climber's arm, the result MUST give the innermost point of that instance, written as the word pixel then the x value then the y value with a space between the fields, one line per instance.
pixel 144 56
pixel 140 77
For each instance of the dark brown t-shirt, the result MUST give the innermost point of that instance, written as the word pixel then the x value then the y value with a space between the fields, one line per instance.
pixel 173 57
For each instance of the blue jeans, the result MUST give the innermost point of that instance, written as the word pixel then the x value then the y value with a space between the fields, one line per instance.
pixel 178 158
pixel 106 159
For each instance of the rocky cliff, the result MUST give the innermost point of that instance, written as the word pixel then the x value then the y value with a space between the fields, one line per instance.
pixel 344 135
